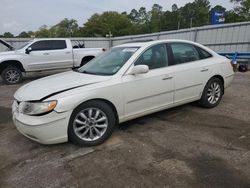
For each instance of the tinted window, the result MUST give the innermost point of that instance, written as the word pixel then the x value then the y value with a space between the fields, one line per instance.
pixel 58 44
pixel 40 45
pixel 48 45
pixel 203 53
pixel 183 53
pixel 154 57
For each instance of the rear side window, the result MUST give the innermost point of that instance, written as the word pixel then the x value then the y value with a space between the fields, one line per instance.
pixel 58 44
pixel 203 53
pixel 183 53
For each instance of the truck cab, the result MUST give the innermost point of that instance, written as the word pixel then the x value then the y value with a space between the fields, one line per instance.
pixel 43 54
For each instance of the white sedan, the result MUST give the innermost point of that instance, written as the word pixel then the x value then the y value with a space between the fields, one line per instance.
pixel 126 82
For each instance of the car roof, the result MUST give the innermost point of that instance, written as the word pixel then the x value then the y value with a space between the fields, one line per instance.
pixel 38 39
pixel 149 43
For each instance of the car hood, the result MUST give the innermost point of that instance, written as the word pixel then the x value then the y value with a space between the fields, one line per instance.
pixel 8 53
pixel 55 84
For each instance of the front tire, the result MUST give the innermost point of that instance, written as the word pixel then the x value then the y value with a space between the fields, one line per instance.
pixel 11 75
pixel 212 93
pixel 91 123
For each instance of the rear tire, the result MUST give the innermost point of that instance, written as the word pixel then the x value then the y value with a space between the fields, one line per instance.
pixel 91 123
pixel 11 75
pixel 212 93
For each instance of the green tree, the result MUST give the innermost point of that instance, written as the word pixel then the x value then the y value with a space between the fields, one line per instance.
pixel 218 7
pixel 174 8
pixel 156 18
pixel 144 20
pixel 134 16
pixel 101 24
pixel 43 32
pixel 8 35
pixel 232 17
pixel 23 35
pixel 242 8
pixel 141 20
pixel 195 14
pixel 170 20
pixel 65 28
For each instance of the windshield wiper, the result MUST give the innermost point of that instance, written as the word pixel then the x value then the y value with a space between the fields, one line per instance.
pixel 87 72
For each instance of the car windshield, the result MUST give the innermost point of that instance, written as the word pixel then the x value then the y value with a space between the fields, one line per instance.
pixel 23 45
pixel 109 62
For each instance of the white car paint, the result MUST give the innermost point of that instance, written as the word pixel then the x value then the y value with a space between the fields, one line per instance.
pixel 49 59
pixel 131 95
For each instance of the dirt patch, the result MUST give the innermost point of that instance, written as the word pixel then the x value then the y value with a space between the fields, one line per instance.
pixel 212 171
pixel 5 115
pixel 187 146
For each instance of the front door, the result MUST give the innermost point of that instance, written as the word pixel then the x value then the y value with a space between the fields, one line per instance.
pixel 49 54
pixel 153 90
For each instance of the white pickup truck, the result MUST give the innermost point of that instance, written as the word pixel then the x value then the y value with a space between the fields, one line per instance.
pixel 43 54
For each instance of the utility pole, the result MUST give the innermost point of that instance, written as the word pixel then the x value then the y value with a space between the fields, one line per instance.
pixel 179 20
pixel 191 18
pixel 191 22
pixel 110 35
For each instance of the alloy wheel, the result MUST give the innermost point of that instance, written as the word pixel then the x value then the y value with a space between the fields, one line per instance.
pixel 213 93
pixel 12 76
pixel 90 124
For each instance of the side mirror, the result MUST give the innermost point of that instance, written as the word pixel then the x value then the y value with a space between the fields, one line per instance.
pixel 139 69
pixel 28 50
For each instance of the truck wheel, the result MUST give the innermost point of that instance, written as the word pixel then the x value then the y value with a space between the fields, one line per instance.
pixel 11 75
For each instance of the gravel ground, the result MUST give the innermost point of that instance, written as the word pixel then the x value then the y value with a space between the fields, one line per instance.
pixel 187 146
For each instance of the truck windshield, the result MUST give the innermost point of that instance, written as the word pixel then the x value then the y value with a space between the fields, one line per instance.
pixel 23 45
pixel 109 62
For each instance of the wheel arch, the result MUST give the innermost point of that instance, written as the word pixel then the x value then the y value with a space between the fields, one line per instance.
pixel 105 101
pixel 86 59
pixel 220 78
pixel 14 63
pixel 214 76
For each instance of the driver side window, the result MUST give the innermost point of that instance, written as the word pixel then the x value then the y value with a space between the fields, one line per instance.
pixel 40 46
pixel 154 57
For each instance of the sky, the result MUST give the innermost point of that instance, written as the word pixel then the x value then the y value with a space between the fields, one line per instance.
pixel 25 15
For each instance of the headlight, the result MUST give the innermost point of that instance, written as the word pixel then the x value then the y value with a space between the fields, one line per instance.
pixel 36 108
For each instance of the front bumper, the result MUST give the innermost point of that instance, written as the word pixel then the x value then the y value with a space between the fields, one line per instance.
pixel 51 128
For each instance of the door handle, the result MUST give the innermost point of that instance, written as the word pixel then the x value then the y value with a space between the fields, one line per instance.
pixel 204 69
pixel 45 53
pixel 167 78
pixel 68 52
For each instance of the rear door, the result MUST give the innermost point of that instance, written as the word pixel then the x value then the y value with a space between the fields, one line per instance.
pixel 191 72
pixel 60 54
